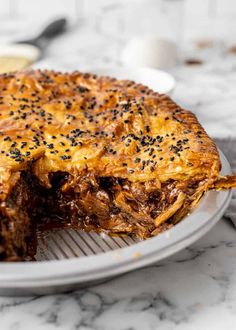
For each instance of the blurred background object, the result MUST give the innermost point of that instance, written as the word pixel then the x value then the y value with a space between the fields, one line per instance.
pixel 157 34
pixel 21 54
pixel 137 33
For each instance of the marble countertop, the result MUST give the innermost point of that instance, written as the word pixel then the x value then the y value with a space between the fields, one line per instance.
pixel 194 289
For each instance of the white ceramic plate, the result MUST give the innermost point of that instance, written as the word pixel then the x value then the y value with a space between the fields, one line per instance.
pixel 62 275
pixel 159 81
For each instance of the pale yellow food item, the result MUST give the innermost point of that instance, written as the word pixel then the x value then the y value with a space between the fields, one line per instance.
pixel 12 63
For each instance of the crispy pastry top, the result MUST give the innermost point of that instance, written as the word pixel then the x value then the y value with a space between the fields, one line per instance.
pixel 77 122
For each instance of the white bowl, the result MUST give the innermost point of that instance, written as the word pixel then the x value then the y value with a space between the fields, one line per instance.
pixel 149 51
pixel 160 81
pixel 20 50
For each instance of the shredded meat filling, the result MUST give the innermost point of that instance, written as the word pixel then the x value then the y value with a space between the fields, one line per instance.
pixel 88 202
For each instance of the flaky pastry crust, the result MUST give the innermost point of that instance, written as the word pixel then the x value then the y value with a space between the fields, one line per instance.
pixel 155 157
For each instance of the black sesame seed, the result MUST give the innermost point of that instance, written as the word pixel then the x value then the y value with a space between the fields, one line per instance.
pixel 50 146
pixel 7 138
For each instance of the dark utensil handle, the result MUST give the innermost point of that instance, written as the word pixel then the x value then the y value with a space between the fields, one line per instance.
pixel 53 29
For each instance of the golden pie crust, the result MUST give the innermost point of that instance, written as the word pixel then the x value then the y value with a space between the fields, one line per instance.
pixel 132 161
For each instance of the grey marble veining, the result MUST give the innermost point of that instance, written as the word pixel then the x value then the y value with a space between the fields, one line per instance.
pixel 194 289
